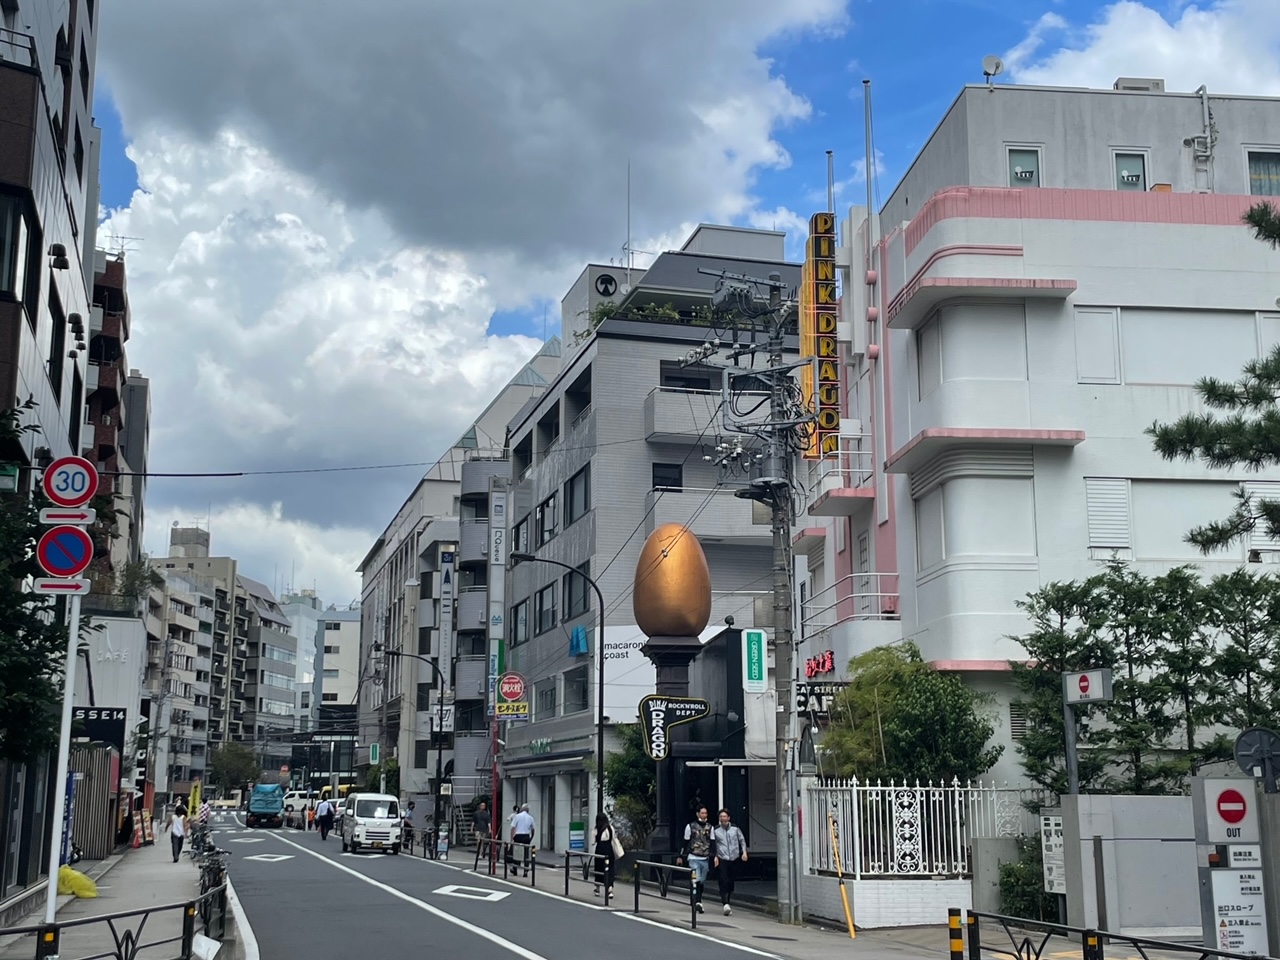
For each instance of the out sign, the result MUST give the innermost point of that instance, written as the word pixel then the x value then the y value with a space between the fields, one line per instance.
pixel 1230 812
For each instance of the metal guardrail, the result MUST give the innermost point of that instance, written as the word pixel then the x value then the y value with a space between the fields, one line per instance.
pixel 127 941
pixel 664 871
pixel 508 850
pixel 1029 939
pixel 588 874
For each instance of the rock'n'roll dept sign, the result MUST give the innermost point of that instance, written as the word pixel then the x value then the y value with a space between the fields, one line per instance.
pixel 659 714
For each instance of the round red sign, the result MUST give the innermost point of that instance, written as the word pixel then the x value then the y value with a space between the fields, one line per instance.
pixel 1084 683
pixel 1232 806
pixel 511 686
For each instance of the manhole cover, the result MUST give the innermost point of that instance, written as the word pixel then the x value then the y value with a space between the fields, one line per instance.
pixel 765 936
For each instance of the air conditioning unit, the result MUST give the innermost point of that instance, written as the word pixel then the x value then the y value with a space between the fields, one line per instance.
pixel 106 419
pixel 762 615
pixel 1139 85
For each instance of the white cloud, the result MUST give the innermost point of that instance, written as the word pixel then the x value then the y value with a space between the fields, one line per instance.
pixel 1232 46
pixel 327 229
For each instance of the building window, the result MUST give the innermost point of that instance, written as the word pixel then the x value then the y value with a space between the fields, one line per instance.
pixel 544 608
pixel 424 697
pixel 329 698
pixel 1131 172
pixel 544 520
pixel 1024 167
pixel 278 653
pixel 15 248
pixel 577 593
pixel 331 674
pixel 330 649
pixel 544 699
pixel 520 623
pixel 57 342
pixel 668 476
pixel 78 155
pixel 421 754
pixel 279 679
pixel 277 708
pixel 333 624
pixel 84 68
pixel 575 691
pixel 1017 721
pixel 520 537
pixel 1264 173
pixel 577 496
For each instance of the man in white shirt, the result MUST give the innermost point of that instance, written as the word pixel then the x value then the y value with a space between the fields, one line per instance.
pixel 522 827
pixel 324 817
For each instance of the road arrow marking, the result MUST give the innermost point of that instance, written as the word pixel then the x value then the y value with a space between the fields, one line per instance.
pixel 247 840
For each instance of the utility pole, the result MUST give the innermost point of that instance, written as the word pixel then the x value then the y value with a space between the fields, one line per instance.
pixel 769 470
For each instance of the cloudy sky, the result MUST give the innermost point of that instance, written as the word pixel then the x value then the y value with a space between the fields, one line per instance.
pixel 344 224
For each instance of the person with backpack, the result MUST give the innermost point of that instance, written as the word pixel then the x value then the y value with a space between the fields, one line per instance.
pixel 730 849
pixel 698 849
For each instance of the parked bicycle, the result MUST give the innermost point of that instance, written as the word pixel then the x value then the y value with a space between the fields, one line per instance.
pixel 213 894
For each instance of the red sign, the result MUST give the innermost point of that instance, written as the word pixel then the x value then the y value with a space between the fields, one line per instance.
pixel 65 551
pixel 70 481
pixel 511 686
pixel 822 663
pixel 1084 684
pixel 1232 806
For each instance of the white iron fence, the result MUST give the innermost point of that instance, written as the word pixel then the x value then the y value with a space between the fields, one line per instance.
pixel 899 830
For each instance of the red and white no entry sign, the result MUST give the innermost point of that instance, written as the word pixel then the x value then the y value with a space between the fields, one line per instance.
pixel 511 686
pixel 1232 806
pixel 1084 683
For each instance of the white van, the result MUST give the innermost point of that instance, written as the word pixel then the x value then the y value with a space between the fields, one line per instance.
pixel 371 820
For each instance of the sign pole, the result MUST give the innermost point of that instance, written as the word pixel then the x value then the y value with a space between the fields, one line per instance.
pixel 1073 761
pixel 64 761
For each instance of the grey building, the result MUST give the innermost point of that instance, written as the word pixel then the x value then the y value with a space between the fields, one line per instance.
pixel 135 442
pixel 614 448
pixel 270 682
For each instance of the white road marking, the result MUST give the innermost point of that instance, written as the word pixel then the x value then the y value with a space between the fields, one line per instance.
pixel 493 938
pixel 244 932
pixel 271 857
pixel 247 840
pixel 472 893
pixel 701 936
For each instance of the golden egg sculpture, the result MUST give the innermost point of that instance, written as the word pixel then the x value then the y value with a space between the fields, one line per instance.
pixel 672 596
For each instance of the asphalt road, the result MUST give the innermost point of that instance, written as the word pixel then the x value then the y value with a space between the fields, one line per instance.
pixel 306 900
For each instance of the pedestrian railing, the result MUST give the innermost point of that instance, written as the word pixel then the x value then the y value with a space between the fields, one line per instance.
pixel 661 875
pixel 589 862
pixel 514 856
pixel 128 931
pixel 1018 939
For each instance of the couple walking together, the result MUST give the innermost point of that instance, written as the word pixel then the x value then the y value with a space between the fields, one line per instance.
pixel 720 847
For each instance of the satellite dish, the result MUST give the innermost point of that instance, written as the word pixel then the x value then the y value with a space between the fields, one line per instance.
pixel 992 66
pixel 1258 755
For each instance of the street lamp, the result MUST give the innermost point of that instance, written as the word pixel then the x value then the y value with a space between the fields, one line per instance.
pixel 523 557
pixel 439 732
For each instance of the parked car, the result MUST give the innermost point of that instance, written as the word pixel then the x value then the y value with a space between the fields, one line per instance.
pixel 371 820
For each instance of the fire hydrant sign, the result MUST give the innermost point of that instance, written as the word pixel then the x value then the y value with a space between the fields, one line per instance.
pixel 1239 912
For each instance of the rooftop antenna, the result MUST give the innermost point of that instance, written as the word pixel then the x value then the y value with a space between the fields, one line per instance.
pixel 627 253
pixel 992 66
pixel 831 181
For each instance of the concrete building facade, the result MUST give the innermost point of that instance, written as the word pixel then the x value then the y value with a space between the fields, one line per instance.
pixel 615 447
pixel 1051 276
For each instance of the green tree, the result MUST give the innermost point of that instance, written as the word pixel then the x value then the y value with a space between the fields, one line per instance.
pixel 1065 620
pixel 33 633
pixel 1244 608
pixel 373 777
pixel 1264 218
pixel 1247 437
pixel 233 765
pixel 1185 665
pixel 630 778
pixel 899 719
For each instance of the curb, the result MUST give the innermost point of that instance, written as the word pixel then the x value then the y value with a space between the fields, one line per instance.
pixel 244 945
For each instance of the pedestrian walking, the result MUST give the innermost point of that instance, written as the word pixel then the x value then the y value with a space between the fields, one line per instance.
pixel 508 854
pixel 311 817
pixel 699 845
pixel 178 829
pixel 522 827
pixel 324 816
pixel 729 850
pixel 406 842
pixel 482 822
pixel 608 851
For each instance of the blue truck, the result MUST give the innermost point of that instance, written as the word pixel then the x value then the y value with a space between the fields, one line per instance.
pixel 266 805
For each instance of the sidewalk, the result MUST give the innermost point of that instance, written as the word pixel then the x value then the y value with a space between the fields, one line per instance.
pixel 135 880
pixel 746 927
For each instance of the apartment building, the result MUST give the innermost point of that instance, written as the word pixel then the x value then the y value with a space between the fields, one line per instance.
pixel 48 222
pixel 1051 276
pixel 614 448
pixel 305 614
pixel 401 607
pixel 336 690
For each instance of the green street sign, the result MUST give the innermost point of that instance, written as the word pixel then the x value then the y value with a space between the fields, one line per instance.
pixel 374 753
pixel 755 662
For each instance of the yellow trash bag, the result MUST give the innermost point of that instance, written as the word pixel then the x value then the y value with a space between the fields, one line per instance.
pixel 75 882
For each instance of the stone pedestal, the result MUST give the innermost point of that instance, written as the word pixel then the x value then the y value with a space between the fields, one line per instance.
pixel 671 657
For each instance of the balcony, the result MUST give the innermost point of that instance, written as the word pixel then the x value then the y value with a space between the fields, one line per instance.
pixel 427 613
pixel 473 541
pixel 677 415
pixel 928 444
pixel 859 596
pixel 725 519
pixel 842 483
pixel 471 678
pixel 477 473
pixel 473 608
pixel 105 375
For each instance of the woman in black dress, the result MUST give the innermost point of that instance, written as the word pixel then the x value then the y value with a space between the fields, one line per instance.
pixel 604 856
